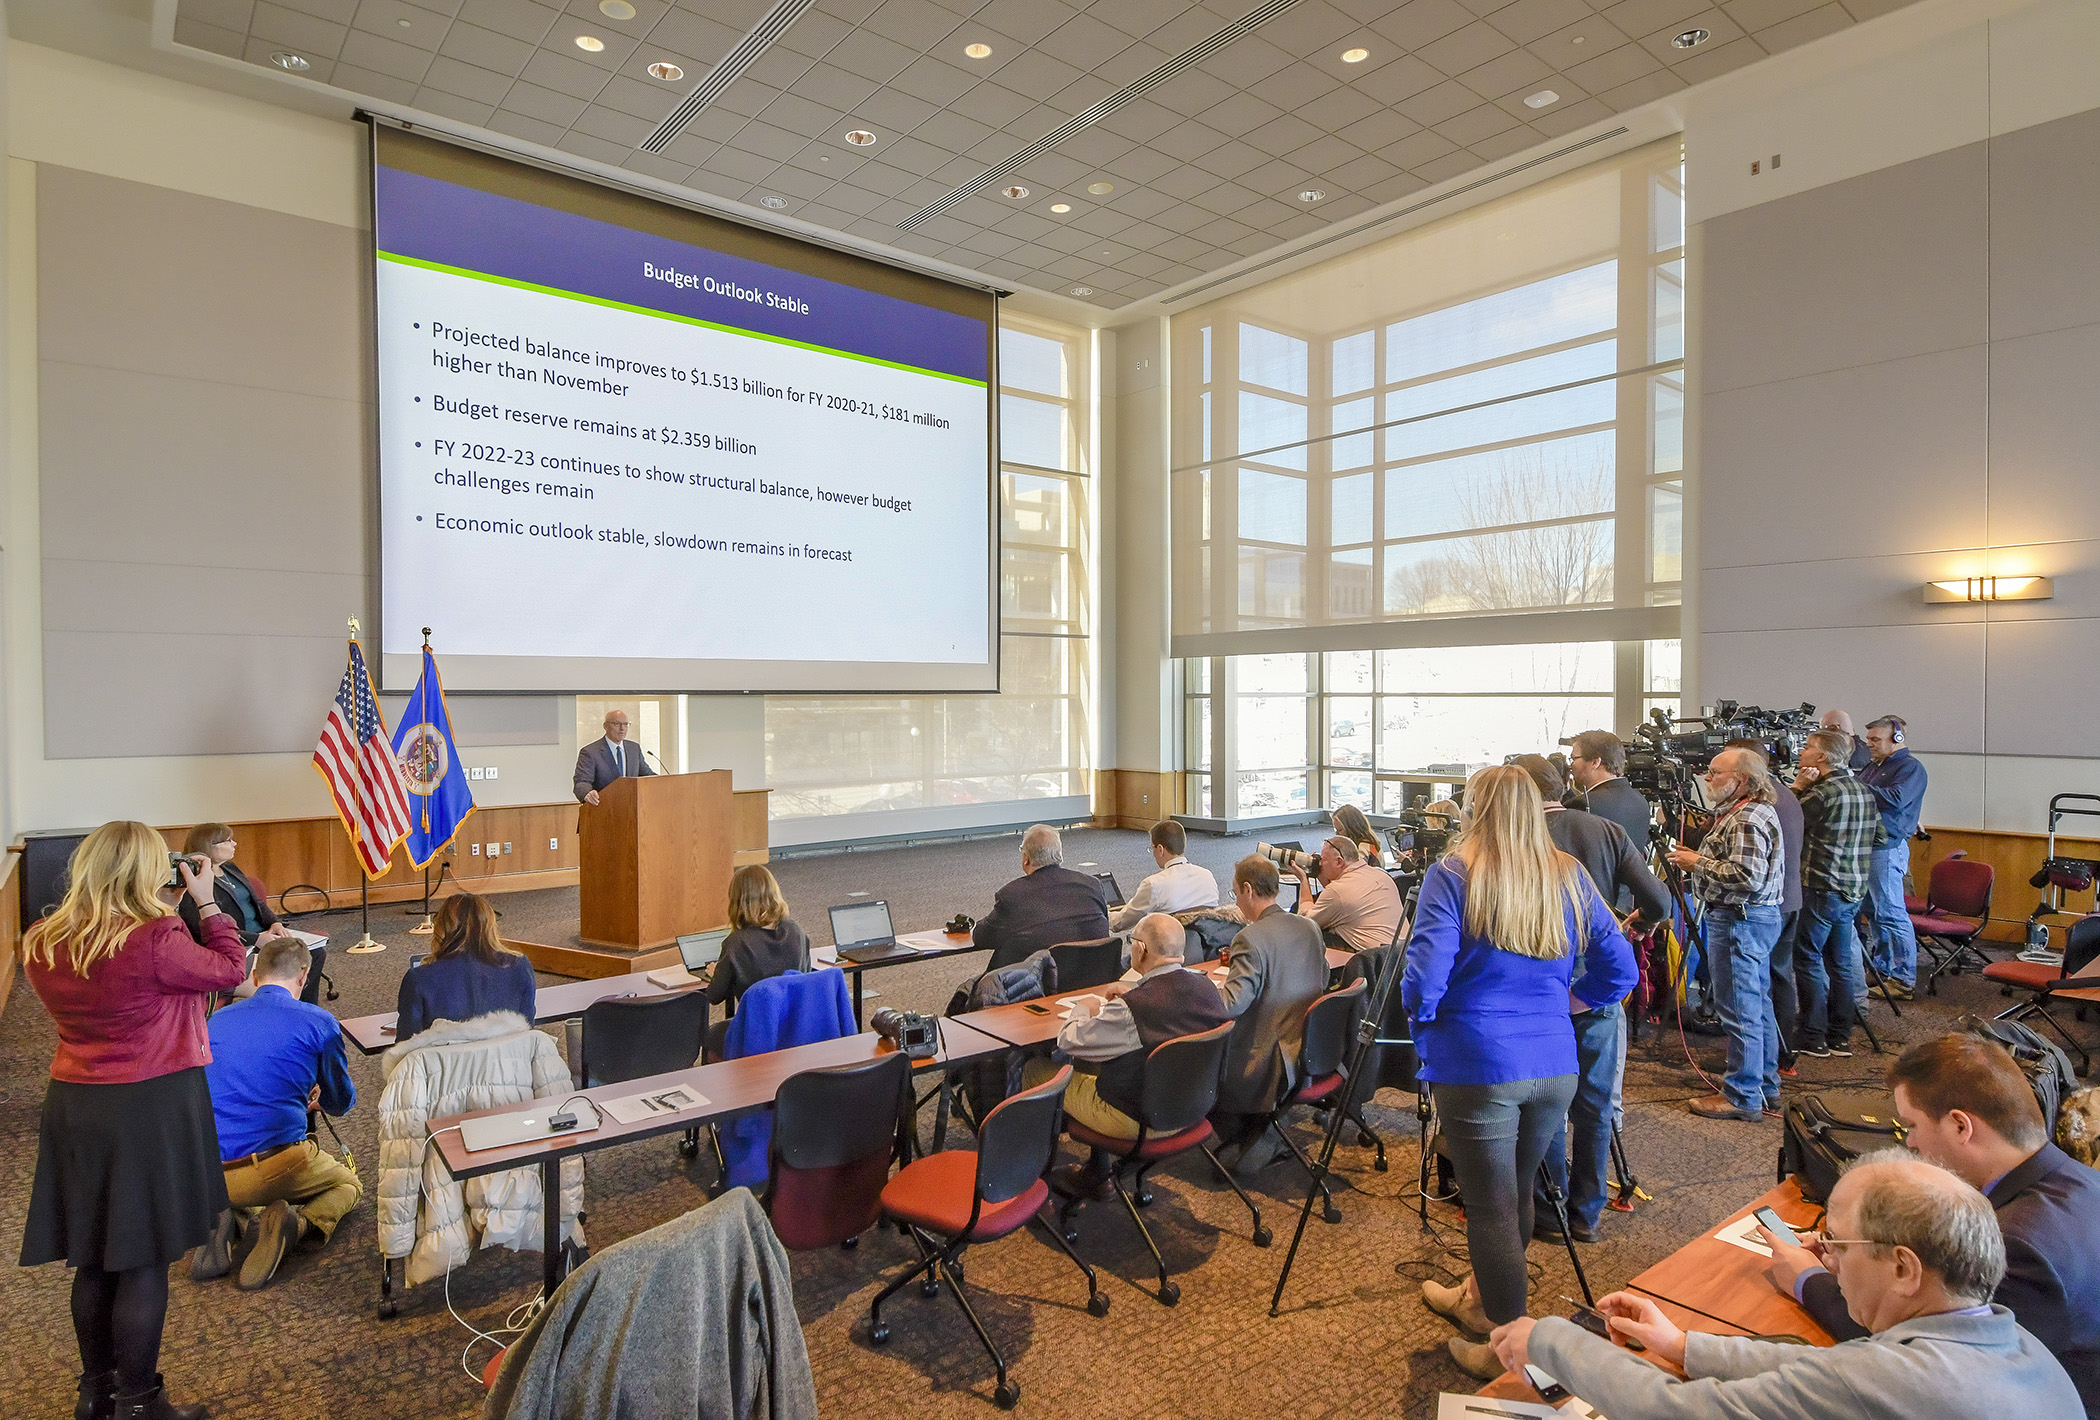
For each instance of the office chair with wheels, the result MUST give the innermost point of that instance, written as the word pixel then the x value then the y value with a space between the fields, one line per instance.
pixel 1180 1090
pixel 1330 1028
pixel 1956 908
pixel 964 1198
pixel 630 1039
pixel 2081 948
pixel 1084 964
pixel 835 1132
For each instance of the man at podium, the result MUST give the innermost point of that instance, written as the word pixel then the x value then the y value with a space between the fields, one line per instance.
pixel 602 761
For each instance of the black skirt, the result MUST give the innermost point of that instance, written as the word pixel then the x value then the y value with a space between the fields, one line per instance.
pixel 126 1175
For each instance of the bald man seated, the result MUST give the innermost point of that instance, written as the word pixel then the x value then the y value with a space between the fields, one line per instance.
pixel 1047 905
pixel 1918 1254
pixel 1108 1050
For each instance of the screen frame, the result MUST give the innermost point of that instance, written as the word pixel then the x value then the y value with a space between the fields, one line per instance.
pixel 398 673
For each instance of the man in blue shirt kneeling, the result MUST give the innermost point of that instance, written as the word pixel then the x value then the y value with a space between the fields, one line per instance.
pixel 274 1057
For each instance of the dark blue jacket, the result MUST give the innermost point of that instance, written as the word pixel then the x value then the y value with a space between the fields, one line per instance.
pixel 2049 1211
pixel 1045 908
pixel 1484 1016
pixel 267 1053
pixel 459 988
pixel 1898 785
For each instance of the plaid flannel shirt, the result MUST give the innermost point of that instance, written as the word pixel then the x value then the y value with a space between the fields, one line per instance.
pixel 1843 825
pixel 1742 862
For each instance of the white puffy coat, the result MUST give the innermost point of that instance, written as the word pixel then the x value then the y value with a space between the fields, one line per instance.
pixel 452 1068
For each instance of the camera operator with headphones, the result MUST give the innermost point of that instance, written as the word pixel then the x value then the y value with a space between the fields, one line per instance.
pixel 1897 781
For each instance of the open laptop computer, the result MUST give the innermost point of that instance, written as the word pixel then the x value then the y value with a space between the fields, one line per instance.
pixel 1287 895
pixel 1115 893
pixel 498 1130
pixel 697 951
pixel 864 934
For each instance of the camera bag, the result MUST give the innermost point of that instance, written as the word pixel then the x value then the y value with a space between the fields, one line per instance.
pixel 2046 1066
pixel 1826 1131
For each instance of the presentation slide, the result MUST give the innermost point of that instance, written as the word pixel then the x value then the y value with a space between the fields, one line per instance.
pixel 614 459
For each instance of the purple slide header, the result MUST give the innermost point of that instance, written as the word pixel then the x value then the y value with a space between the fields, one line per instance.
pixel 430 220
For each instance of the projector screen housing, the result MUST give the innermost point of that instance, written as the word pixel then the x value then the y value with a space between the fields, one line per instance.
pixel 625 445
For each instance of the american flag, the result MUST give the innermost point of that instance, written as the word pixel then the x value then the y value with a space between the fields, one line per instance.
pixel 356 759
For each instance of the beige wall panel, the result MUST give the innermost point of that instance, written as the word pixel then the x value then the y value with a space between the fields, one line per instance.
pixel 1931 675
pixel 2045 430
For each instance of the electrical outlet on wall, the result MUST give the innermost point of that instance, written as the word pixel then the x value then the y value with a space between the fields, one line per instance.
pixel 554 845
pixel 489 773
pixel 474 850
pixel 506 850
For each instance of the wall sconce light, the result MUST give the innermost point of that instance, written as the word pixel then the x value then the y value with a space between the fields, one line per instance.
pixel 1991 589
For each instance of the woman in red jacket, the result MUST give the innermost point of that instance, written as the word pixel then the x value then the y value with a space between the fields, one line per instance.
pixel 127 1167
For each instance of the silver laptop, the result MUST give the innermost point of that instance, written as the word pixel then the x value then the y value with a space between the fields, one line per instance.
pixel 497 1130
pixel 697 951
pixel 863 933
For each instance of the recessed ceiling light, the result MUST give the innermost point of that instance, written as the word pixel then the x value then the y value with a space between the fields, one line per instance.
pixel 665 70
pixel 1101 189
pixel 1540 99
pixel 1355 56
pixel 979 50
pixel 616 9
pixel 589 44
pixel 1505 236
pixel 1082 290
pixel 1016 193
pixel 289 62
pixel 1692 39
pixel 860 138
pixel 776 203
pixel 1060 207
pixel 1313 194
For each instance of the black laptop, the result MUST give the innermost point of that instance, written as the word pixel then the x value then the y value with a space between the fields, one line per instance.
pixel 1116 899
pixel 863 933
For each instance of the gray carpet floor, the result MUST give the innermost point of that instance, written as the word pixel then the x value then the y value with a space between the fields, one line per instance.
pixel 1353 1338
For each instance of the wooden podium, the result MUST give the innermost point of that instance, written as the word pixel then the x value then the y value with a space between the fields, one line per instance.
pixel 656 858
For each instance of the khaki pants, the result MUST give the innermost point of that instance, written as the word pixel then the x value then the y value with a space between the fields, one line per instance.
pixel 1082 1101
pixel 304 1174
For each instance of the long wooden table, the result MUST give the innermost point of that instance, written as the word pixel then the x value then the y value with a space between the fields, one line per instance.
pixel 926 946
pixel 730 1087
pixel 1727 1284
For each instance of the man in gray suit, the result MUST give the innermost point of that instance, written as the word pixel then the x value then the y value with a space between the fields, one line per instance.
pixel 1918 1253
pixel 1274 969
pixel 614 757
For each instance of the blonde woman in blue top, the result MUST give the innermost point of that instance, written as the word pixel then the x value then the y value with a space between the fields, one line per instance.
pixel 1491 975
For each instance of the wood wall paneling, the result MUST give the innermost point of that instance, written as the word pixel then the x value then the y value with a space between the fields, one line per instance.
pixel 1134 798
pixel 2014 857
pixel 10 924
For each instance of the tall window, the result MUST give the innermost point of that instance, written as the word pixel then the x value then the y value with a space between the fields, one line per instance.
pixel 829 756
pixel 1480 422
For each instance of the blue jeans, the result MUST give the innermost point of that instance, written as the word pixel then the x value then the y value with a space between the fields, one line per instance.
pixel 1827 969
pixel 1895 942
pixel 1739 942
pixel 1600 1059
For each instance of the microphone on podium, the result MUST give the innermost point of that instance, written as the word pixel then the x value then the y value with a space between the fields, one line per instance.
pixel 652 754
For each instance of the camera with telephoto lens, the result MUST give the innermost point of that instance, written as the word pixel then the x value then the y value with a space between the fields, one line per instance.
pixel 913 1032
pixel 1289 858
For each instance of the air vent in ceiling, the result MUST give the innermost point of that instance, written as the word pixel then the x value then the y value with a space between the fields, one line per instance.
pixel 772 27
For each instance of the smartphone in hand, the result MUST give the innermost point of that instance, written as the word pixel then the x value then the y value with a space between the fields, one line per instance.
pixel 1550 1390
pixel 1777 1228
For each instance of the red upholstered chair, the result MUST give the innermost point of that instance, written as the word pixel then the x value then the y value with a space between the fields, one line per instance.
pixel 1957 905
pixel 1179 1092
pixel 1330 1022
pixel 835 1132
pixel 2081 948
pixel 960 1198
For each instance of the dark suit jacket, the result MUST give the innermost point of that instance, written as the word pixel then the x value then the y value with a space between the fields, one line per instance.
pixel 1042 909
pixel 222 893
pixel 2047 1209
pixel 1617 868
pixel 1275 968
pixel 594 765
pixel 1620 802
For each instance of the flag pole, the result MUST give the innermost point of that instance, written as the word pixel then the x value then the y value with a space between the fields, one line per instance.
pixel 366 944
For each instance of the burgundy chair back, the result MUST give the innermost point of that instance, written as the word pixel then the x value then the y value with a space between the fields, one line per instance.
pixel 1961 887
pixel 834 1134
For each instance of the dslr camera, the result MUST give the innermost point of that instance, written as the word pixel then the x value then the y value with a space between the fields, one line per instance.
pixel 1289 859
pixel 175 862
pixel 913 1032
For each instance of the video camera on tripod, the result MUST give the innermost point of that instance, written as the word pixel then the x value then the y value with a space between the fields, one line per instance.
pixel 1665 756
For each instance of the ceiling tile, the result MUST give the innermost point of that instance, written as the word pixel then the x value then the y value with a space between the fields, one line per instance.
pixel 1295 86
pixel 1394 188
pixel 1065 241
pixel 1028 227
pixel 989 243
pixel 1084 42
pixel 734 162
pixel 658 166
pixel 1225 198
pixel 468 81
pixel 638 98
pixel 1309 26
pixel 1283 135
pixel 824 215
pixel 1025 20
pixel 815 33
pixel 372 83
pixel 1412 153
pixel 691 149
pixel 1474 124
pixel 464 110
pixel 520 19
pixel 1138 18
pixel 1514 139
pixel 1803 28
pixel 1144 235
pixel 1191 92
pixel 718 184
pixel 1184 183
pixel 747 96
pixel 1711 63
pixel 1400 80
pixel 1576 43
pixel 1450 166
pixel 1338 109
pixel 1642 90
pixel 992 104
pixel 684 32
pixel 1082 93
pixel 913 22
pixel 935 82
pixel 1380 129
pixel 943 230
pixel 1131 65
pixel 889 112
pixel 613 126
pixel 564 75
pixel 340 12
pixel 1096 146
pixel 798 115
pixel 1038 75
pixel 586 146
pixel 289 29
pixel 1569 91
pixel 1144 263
pixel 1465 49
pixel 1724 30
pixel 765 140
pixel 197 34
pixel 1518 69
pixel 1276 175
pixel 1143 165
pixel 1265 212
pixel 1751 15
pixel 1141 202
pixel 1192 26
pixel 778 68
pixel 1360 173
pixel 1323 154
pixel 1055 169
pixel 1106 222
pixel 1299 225
pixel 870 56
pixel 383 17
pixel 1140 121
pixel 717 124
pixel 1188 140
pixel 1072 268
pixel 848 198
pixel 1524 21
pixel 1421 22
pixel 1242 113
pixel 1607 71
pixel 532 130
pixel 1433 106
pixel 1229 160
pixel 1180 248
pixel 1246 61
pixel 1640 17
pixel 953 132
pixel 544 104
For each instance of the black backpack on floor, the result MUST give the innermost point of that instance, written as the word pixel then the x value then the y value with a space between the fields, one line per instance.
pixel 1824 1132
pixel 2048 1069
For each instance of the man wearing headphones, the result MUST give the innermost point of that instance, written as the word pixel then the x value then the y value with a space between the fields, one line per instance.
pixel 1897 781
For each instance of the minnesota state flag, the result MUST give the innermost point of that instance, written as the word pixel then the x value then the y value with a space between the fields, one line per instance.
pixel 439 800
